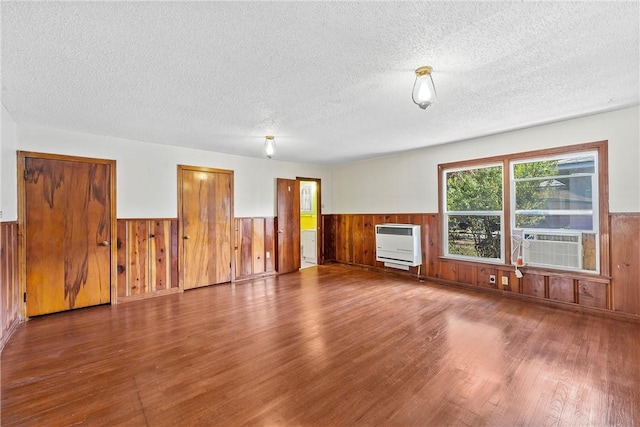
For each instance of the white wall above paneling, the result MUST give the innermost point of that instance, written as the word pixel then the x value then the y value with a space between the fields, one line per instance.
pixel 408 182
pixel 8 186
pixel 147 173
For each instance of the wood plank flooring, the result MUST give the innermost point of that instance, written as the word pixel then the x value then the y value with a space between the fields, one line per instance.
pixel 331 345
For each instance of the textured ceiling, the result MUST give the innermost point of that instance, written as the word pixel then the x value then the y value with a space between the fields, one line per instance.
pixel 331 80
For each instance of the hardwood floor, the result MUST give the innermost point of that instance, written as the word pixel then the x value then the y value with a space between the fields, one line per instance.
pixel 332 345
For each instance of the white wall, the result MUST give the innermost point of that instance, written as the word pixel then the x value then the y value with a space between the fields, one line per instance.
pixel 8 187
pixel 408 182
pixel 147 172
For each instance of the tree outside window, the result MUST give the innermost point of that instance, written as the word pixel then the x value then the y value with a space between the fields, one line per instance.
pixel 474 212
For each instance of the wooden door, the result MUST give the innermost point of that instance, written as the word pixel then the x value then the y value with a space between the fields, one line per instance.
pixel 206 212
pixel 68 210
pixel 288 200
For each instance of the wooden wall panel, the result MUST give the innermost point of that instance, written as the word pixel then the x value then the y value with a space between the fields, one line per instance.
pixel 561 289
pixel 369 235
pixel 592 294
pixel 466 274
pixel 483 277
pixel 344 248
pixel 269 245
pixel 402 219
pixel 340 236
pixel 173 257
pixel 137 256
pixel 432 243
pixel 328 238
pixel 255 240
pixel 533 285
pixel 514 282
pixel 244 261
pixel 9 286
pixel 159 255
pixel 257 245
pixel 357 238
pixel 121 242
pixel 146 258
pixel 625 262
pixel 448 271
pixel 377 219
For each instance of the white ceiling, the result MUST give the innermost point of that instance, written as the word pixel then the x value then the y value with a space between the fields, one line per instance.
pixel 331 80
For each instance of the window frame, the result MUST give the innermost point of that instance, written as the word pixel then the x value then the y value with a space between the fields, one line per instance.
pixel 600 148
pixel 595 195
pixel 446 214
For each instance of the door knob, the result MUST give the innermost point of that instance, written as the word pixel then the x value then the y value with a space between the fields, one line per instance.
pixel 280 231
pixel 186 237
pixel 104 243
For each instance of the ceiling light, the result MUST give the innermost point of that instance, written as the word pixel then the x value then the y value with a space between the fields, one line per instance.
pixel 424 92
pixel 269 146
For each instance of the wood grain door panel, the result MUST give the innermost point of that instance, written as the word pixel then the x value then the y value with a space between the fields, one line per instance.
pixel 67 234
pixel 206 221
pixel 288 235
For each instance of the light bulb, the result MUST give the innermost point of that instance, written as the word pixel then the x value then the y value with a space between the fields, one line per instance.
pixel 269 146
pixel 424 92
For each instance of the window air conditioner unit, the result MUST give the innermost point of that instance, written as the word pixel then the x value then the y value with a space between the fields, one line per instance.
pixel 561 249
pixel 398 245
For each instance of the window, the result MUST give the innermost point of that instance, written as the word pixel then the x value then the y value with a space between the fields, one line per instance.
pixel 474 212
pixel 554 211
pixel 543 206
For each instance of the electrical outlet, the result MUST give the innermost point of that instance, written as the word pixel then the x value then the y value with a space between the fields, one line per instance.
pixel 0 214
pixel 505 280
pixel 268 255
pixel 492 278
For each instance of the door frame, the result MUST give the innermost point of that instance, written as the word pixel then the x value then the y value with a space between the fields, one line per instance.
pixel 319 234
pixel 232 241
pixel 22 210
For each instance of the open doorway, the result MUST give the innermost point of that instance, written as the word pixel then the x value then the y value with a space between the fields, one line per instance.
pixel 309 220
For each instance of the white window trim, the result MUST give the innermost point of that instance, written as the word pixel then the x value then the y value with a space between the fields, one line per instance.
pixel 595 198
pixel 447 213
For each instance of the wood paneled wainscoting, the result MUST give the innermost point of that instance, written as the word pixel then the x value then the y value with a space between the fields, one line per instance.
pixel 9 286
pixel 148 254
pixel 147 258
pixel 350 239
pixel 625 262
pixel 255 247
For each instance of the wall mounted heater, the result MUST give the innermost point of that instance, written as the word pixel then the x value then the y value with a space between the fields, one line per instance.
pixel 398 245
pixel 553 248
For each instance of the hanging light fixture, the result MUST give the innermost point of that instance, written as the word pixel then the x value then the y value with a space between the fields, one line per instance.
pixel 424 92
pixel 269 146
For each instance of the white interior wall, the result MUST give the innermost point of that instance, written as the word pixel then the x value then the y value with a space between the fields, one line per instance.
pixel 408 182
pixel 147 172
pixel 8 187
